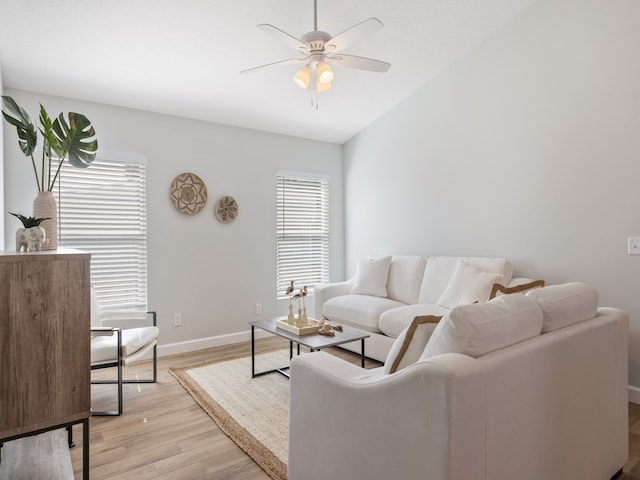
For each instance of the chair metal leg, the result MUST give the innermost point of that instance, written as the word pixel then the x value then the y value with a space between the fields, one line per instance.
pixel 119 382
pixel 155 370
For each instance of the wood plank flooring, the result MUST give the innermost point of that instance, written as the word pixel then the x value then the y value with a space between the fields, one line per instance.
pixel 163 434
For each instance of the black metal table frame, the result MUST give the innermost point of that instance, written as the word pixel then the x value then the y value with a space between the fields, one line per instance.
pixel 68 426
pixel 282 370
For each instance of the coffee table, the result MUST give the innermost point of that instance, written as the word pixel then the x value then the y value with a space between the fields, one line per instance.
pixel 313 341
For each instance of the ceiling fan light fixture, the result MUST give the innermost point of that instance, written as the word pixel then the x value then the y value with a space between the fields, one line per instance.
pixel 325 73
pixel 303 76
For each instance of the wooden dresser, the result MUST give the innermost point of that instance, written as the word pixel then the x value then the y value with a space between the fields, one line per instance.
pixel 45 343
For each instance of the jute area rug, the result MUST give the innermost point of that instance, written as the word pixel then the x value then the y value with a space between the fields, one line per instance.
pixel 252 412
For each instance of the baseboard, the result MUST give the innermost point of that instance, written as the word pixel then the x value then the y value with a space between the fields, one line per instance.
pixel 634 394
pixel 208 342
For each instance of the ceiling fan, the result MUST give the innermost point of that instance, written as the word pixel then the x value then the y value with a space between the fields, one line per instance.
pixel 320 51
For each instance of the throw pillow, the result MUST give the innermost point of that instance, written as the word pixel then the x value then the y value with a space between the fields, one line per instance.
pixel 371 276
pixel 410 344
pixel 469 284
pixel 521 288
pixel 565 304
pixel 484 327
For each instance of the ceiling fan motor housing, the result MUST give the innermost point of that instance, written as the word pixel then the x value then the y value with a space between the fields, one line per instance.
pixel 316 40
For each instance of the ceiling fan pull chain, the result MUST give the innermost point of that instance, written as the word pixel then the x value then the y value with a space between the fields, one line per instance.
pixel 314 99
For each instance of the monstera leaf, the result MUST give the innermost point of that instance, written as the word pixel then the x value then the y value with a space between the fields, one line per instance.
pixel 77 138
pixel 72 139
pixel 19 118
pixel 51 142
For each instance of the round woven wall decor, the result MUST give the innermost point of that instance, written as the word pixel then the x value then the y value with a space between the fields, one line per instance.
pixel 226 209
pixel 188 193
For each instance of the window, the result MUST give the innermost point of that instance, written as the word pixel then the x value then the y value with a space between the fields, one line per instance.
pixel 302 231
pixel 103 210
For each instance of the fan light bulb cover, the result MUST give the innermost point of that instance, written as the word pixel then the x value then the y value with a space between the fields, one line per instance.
pixel 323 86
pixel 325 73
pixel 302 77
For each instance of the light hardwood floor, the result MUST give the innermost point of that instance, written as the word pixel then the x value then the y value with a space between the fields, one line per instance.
pixel 164 434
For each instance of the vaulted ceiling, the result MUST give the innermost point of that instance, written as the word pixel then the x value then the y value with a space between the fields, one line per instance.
pixel 183 57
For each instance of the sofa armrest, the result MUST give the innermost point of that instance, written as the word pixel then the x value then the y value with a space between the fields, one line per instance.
pixel 324 291
pixel 426 421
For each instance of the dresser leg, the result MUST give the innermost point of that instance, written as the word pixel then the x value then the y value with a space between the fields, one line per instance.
pixel 85 449
pixel 70 436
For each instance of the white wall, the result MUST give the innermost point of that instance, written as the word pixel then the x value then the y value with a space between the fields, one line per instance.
pixel 528 147
pixel 212 273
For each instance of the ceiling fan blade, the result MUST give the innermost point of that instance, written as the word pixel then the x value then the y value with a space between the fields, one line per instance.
pixel 353 34
pixel 284 37
pixel 289 61
pixel 361 63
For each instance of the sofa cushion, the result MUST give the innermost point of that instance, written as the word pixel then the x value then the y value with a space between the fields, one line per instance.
pixel 394 321
pixel 405 276
pixel 359 311
pixel 371 276
pixel 468 284
pixel 480 328
pixel 410 344
pixel 439 271
pixel 565 304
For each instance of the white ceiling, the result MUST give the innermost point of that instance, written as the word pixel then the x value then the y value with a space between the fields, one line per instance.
pixel 183 57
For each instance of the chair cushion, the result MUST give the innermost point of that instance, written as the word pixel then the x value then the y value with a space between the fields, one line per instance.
pixel 394 321
pixel 480 328
pixel 410 344
pixel 405 276
pixel 469 284
pixel 103 348
pixel 371 276
pixel 359 311
pixel 565 304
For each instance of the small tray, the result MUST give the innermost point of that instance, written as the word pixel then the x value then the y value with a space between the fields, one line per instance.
pixel 313 327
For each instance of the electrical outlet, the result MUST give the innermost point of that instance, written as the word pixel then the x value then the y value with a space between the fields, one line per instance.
pixel 633 247
pixel 258 309
pixel 177 320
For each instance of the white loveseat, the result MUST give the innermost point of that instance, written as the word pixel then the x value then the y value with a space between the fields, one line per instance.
pixel 387 292
pixel 525 387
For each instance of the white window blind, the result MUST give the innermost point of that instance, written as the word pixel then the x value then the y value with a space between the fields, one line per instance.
pixel 302 231
pixel 103 210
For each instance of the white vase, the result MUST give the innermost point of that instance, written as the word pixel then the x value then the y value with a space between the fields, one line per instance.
pixel 44 206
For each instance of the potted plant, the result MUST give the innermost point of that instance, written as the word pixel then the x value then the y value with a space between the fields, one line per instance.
pixel 62 139
pixel 32 236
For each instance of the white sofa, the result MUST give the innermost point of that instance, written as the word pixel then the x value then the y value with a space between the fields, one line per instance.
pixel 387 292
pixel 488 398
